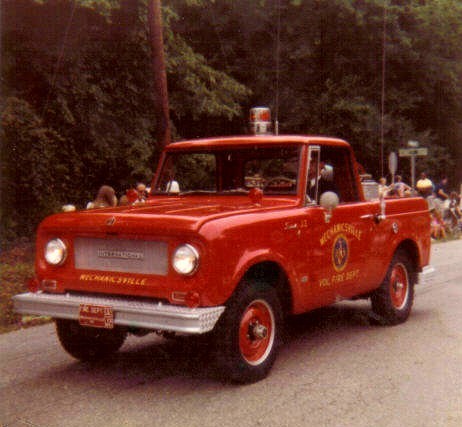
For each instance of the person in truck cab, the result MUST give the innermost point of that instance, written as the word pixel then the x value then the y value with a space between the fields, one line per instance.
pixel 324 181
pixel 326 178
pixel 141 193
pixel 105 198
pixel 123 201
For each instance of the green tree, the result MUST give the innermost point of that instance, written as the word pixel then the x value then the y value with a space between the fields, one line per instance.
pixel 331 66
pixel 29 153
pixel 82 72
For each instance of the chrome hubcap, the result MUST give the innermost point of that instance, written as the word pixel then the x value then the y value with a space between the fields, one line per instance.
pixel 257 331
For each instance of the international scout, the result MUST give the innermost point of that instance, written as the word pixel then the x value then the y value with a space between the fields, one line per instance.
pixel 237 234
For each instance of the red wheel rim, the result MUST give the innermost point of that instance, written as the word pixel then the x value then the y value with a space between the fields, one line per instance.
pixel 256 332
pixel 399 286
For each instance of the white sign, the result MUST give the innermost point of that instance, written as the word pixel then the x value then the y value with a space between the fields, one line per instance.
pixel 409 152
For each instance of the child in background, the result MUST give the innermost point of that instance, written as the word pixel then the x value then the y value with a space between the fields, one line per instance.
pixel 438 230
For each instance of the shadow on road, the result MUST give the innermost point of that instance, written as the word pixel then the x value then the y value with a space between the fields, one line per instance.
pixel 151 360
pixel 344 316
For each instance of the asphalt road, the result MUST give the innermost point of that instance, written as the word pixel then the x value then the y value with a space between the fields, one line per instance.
pixel 337 368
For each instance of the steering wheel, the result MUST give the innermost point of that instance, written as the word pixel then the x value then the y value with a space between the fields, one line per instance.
pixel 280 182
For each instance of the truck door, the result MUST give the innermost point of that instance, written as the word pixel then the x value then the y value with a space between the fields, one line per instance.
pixel 336 245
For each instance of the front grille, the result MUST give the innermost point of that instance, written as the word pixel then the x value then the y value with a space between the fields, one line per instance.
pixel 126 256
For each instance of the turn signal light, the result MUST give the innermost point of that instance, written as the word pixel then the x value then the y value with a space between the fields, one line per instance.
pixel 49 285
pixel 191 299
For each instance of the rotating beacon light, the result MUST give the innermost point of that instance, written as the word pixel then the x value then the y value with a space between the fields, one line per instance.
pixel 260 120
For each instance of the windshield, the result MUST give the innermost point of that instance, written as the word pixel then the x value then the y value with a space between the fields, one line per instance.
pixel 272 169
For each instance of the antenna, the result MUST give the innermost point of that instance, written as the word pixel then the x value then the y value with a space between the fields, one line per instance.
pixel 382 101
pixel 278 54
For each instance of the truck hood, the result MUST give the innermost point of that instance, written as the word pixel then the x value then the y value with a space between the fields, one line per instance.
pixel 170 215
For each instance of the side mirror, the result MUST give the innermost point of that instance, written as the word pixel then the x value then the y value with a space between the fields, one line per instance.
pixel 329 201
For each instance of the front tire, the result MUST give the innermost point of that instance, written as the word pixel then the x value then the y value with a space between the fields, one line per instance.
pixel 247 335
pixel 393 300
pixel 87 343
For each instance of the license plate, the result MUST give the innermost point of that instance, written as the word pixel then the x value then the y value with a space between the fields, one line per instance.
pixel 96 316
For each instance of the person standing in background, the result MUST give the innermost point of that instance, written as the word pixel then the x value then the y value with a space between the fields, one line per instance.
pixel 441 189
pixel 424 186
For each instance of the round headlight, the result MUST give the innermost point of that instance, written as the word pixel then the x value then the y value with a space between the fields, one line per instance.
pixel 55 252
pixel 185 259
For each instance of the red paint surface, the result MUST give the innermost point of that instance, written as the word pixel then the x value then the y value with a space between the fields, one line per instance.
pixel 233 233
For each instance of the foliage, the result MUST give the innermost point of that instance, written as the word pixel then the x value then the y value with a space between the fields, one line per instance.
pixel 16 267
pixel 77 93
pixel 330 67
pixel 78 109
pixel 29 151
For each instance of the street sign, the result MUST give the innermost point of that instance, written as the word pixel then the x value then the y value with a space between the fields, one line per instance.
pixel 413 153
pixel 409 152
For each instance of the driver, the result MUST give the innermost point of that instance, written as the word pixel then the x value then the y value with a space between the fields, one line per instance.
pixel 325 181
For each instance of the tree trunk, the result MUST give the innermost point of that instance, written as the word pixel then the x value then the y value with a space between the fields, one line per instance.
pixel 159 73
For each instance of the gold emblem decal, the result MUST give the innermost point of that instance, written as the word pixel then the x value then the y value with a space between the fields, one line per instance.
pixel 340 252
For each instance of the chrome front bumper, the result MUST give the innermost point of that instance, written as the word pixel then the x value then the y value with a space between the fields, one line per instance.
pixel 127 312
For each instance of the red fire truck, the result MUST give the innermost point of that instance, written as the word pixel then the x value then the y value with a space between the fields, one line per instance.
pixel 237 234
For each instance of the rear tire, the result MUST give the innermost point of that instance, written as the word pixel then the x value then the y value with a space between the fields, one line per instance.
pixel 393 300
pixel 86 343
pixel 247 335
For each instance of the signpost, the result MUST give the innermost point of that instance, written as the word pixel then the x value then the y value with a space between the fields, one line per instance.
pixel 392 165
pixel 413 152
